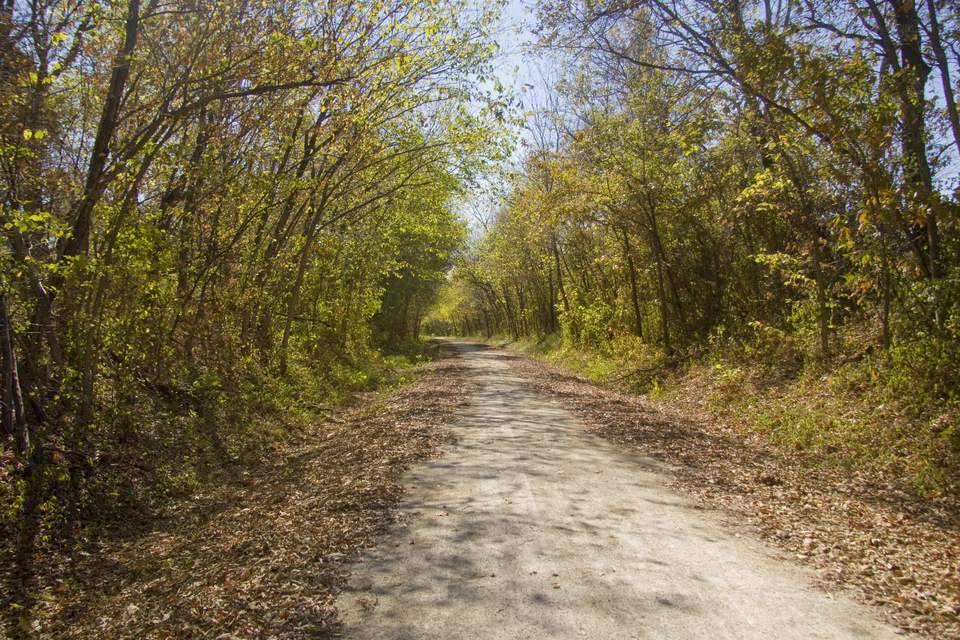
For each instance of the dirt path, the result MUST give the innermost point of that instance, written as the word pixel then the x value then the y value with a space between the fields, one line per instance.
pixel 532 528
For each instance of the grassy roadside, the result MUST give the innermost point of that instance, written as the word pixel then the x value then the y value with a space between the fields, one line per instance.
pixel 845 416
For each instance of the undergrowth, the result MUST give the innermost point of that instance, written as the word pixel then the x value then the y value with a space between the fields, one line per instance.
pixel 157 443
pixel 867 415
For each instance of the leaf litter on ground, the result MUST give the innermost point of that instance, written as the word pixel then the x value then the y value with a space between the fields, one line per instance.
pixel 859 532
pixel 263 557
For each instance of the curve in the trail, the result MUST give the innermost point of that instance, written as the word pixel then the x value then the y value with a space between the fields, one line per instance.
pixel 532 528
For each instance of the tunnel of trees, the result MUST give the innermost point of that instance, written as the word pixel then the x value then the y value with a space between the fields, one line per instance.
pixel 217 211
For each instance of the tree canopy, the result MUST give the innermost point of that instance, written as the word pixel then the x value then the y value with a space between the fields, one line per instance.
pixel 743 169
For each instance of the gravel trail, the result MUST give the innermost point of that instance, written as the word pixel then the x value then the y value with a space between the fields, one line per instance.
pixel 532 528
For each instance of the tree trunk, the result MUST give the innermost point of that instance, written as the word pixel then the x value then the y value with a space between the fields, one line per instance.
pixel 560 287
pixel 823 311
pixel 552 305
pixel 663 268
pixel 937 45
pixel 14 415
pixel 511 316
pixel 912 89
pixel 886 291
pixel 664 312
pixel 634 294
pixel 79 240
pixel 293 302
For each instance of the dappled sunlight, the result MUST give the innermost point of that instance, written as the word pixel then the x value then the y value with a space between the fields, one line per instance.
pixel 532 527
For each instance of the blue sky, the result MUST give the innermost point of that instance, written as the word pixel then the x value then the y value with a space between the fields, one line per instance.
pixel 515 32
pixel 514 67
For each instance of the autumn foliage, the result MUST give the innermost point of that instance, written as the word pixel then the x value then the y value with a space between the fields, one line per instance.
pixel 765 186
pixel 214 214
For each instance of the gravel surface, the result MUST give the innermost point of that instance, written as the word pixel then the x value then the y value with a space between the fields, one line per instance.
pixel 859 532
pixel 532 527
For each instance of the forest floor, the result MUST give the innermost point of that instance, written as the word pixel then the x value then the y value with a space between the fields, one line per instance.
pixel 499 496
pixel 260 556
